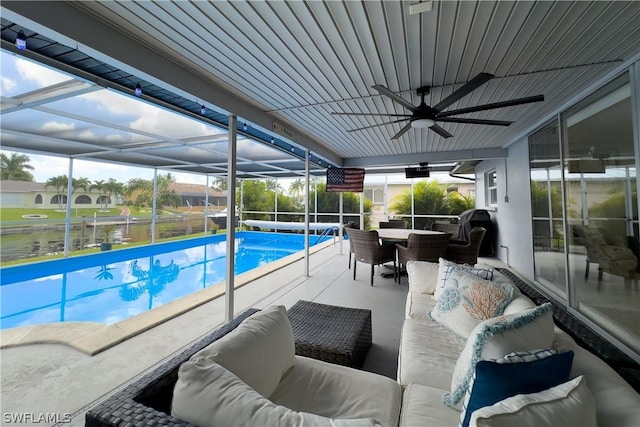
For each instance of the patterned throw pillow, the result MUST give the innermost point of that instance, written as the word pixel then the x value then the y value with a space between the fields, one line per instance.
pixel 495 337
pixel 447 267
pixel 467 300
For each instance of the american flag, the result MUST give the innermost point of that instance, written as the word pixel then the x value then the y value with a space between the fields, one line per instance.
pixel 345 179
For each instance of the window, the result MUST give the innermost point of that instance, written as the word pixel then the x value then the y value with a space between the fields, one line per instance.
pixel 491 186
pixel 376 195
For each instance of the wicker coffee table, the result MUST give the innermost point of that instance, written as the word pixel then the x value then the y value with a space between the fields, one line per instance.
pixel 340 335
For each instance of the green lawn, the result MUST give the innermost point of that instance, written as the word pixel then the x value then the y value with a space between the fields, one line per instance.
pixel 16 214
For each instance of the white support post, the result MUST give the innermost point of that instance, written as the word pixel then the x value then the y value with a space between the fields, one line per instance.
pixel 155 206
pixel 306 214
pixel 341 216
pixel 231 218
pixel 67 224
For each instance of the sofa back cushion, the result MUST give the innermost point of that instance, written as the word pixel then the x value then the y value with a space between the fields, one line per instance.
pixel 208 395
pixel 423 276
pixel 259 351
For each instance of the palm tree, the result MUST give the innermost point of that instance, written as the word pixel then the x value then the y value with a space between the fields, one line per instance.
pixel 14 167
pixel 99 185
pixel 113 188
pixel 296 188
pixel 60 183
pixel 273 185
pixel 220 183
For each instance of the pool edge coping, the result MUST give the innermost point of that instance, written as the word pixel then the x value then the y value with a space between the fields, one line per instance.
pixel 92 338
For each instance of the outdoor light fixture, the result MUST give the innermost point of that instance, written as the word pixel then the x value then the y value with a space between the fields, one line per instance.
pixel 422 123
pixel 244 127
pixel 21 41
pixel 138 90
pixel 273 140
pixel 203 110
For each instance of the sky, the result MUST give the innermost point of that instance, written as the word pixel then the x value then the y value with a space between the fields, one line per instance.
pixel 20 76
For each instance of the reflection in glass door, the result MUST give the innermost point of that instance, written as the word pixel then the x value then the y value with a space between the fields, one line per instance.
pixel 601 200
pixel 546 204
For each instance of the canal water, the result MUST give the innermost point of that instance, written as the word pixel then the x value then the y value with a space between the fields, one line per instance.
pixel 44 240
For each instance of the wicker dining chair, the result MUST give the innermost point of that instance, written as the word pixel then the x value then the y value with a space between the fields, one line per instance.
pixel 466 252
pixel 422 247
pixel 346 227
pixel 393 223
pixel 368 249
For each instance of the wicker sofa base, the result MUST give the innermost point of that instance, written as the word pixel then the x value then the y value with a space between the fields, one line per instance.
pixel 147 400
pixel 339 335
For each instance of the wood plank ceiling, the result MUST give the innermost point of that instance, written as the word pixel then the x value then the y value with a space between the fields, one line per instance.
pixel 299 61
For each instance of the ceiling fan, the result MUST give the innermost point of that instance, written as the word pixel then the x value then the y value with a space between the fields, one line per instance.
pixel 425 116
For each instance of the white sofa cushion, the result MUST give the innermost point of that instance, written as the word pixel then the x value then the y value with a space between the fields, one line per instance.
pixel 421 406
pixel 418 305
pixel 423 276
pixel 428 353
pixel 467 300
pixel 483 271
pixel 259 351
pixel 568 404
pixel 337 391
pixel 616 402
pixel 494 338
pixel 208 395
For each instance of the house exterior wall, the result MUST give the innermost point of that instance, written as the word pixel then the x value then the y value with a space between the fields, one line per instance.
pixel 512 216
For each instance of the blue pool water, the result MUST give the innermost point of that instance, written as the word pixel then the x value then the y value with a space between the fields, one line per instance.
pixel 112 286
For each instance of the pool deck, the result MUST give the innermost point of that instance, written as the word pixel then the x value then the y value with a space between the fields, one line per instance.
pixel 50 378
pixel 92 338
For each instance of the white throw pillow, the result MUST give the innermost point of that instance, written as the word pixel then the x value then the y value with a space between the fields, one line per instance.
pixel 208 395
pixel 423 276
pixel 493 338
pixel 446 267
pixel 568 404
pixel 259 351
pixel 467 300
pixel 518 304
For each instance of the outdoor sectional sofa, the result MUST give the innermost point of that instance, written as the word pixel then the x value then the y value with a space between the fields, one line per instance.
pixel 224 378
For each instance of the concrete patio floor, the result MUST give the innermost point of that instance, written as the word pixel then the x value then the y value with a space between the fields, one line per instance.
pixel 42 379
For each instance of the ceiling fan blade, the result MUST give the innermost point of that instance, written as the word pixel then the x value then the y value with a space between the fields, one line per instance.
pixel 379 124
pixel 440 131
pixel 473 121
pixel 396 98
pixel 467 88
pixel 369 114
pixel 510 103
pixel 402 131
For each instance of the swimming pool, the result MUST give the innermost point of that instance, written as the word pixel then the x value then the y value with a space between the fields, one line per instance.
pixel 112 286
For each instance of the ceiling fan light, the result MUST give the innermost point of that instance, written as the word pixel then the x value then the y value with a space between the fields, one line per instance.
pixel 422 123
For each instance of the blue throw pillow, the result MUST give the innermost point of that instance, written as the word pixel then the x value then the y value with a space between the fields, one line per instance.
pixel 497 381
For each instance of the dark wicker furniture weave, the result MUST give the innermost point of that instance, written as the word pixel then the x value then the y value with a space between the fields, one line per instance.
pixel 586 337
pixel 466 252
pixel 340 335
pixel 147 400
pixel 368 249
pixel 422 247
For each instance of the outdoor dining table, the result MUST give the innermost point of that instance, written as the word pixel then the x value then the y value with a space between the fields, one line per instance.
pixel 401 234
